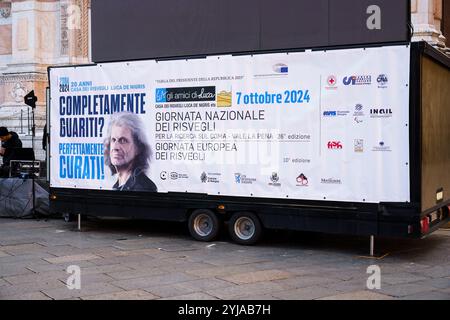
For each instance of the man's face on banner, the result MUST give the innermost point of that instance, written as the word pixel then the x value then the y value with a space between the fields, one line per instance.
pixel 123 149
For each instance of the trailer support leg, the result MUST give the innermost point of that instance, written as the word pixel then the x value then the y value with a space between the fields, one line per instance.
pixel 79 222
pixel 372 245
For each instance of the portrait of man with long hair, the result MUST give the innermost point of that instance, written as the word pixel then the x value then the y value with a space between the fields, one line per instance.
pixel 127 153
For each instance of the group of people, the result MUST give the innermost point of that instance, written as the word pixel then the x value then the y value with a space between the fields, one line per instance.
pixel 127 152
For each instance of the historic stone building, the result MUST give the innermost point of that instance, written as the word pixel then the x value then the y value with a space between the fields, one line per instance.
pixel 431 22
pixel 37 33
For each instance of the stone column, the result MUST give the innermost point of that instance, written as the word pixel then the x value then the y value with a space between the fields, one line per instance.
pixel 426 17
pixel 75 31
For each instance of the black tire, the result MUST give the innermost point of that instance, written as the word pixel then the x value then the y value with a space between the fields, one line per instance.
pixel 245 228
pixel 204 225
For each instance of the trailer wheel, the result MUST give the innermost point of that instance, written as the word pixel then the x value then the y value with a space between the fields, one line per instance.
pixel 204 225
pixel 245 228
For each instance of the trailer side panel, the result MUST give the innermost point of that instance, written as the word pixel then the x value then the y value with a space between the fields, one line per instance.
pixel 435 114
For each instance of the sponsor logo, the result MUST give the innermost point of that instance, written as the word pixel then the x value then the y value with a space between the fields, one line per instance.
pixel 277 70
pixel 335 113
pixel 331 82
pixel 209 177
pixel 358 110
pixel 382 147
pixel 224 99
pixel 207 93
pixel 358 113
pixel 302 180
pixel 380 113
pixel 243 179
pixel 357 80
pixel 359 145
pixel 64 84
pixel 358 120
pixel 334 145
pixel 330 181
pixel 176 176
pixel 280 68
pixel 163 175
pixel 382 81
pixel 274 178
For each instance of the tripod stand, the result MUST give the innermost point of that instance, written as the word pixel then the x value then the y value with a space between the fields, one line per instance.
pixel 30 99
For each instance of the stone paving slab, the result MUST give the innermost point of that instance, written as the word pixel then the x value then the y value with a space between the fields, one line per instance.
pixel 447 290
pixel 305 281
pixel 237 291
pixel 402 290
pixel 234 260
pixel 4 254
pixel 124 253
pixel 85 291
pixel 170 290
pixel 110 268
pixel 142 283
pixel 28 296
pixel 44 266
pixel 62 250
pixel 256 297
pixel 50 275
pixel 433 295
pixel 257 276
pixel 90 278
pixel 205 284
pixel 347 275
pixel 401 277
pixel 40 285
pixel 220 271
pixel 437 271
pixel 12 269
pixel 23 248
pixel 132 274
pixel 24 258
pixel 128 260
pixel 182 266
pixel 72 258
pixel 438 283
pixel 359 295
pixel 308 293
pixel 123 295
pixel 192 296
pixel 353 285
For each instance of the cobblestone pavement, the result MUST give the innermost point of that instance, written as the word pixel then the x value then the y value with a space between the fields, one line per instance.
pixel 121 259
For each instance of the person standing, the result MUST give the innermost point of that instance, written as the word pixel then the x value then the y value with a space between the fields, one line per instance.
pixel 10 141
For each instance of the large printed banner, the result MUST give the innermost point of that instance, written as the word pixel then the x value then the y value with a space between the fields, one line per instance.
pixel 328 125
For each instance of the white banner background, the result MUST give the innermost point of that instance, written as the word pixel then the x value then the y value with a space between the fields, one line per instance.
pixel 367 163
